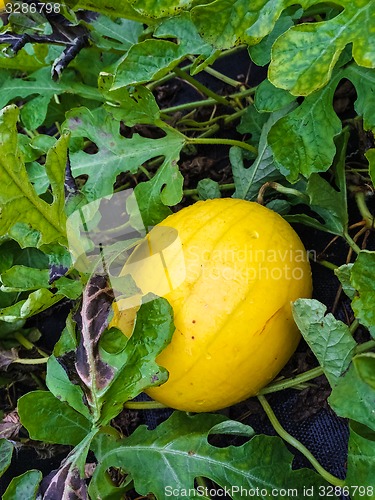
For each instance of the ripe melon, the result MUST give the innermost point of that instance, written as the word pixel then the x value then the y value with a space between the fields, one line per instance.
pixel 230 269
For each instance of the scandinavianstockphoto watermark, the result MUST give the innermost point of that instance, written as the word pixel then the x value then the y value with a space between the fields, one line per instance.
pixel 108 233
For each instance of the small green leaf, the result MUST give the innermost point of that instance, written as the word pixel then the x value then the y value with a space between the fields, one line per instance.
pixel 132 106
pixel 165 189
pixel 269 98
pixel 146 61
pixel 261 53
pixel 118 34
pixel 361 463
pixel 249 180
pixel 50 420
pixel 363 280
pixel 24 486
pixel 353 398
pixel 36 302
pixel 6 451
pixel 344 275
pixel 136 366
pixel 365 366
pixel 63 389
pixel 208 189
pixel 179 450
pixel 252 122
pixel 329 203
pixel 329 339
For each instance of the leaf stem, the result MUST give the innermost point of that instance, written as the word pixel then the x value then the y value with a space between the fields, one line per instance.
pixel 144 405
pixel 222 187
pixel 27 344
pixel 29 361
pixel 229 142
pixel 353 245
pixel 200 87
pixel 360 199
pixel 297 444
pixel 292 382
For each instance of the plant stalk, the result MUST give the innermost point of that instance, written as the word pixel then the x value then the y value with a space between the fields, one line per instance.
pixel 297 444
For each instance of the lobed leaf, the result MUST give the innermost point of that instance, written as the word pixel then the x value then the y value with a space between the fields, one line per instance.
pixel 303 141
pixel 25 217
pixel 115 154
pixel 303 58
pixel 178 449
pixel 329 339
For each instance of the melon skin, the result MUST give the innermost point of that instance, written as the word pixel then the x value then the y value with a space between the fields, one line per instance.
pixel 233 274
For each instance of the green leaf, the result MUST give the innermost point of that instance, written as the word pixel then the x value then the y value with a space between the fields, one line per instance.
pixel 163 190
pixel 330 204
pixel 329 339
pixel 182 28
pixel 303 140
pixel 344 275
pixel 179 450
pixel 24 486
pixel 365 366
pixel 27 218
pixel 303 58
pixel 57 381
pixel 135 106
pixel 269 98
pixel 353 398
pixel 261 53
pixel 116 153
pixel 36 302
pixel 50 420
pixel 208 189
pixel 146 61
pixel 364 81
pixel 112 8
pixel 160 8
pixel 370 155
pixel 41 84
pixel 363 280
pixel 30 58
pixel 6 451
pixel 361 463
pixel 20 278
pixel 118 34
pixel 136 366
pixel 249 180
pixel 252 122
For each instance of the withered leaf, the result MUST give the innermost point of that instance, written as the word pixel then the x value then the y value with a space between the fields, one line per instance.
pixel 93 320
pixel 7 358
pixel 65 484
pixel 10 426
